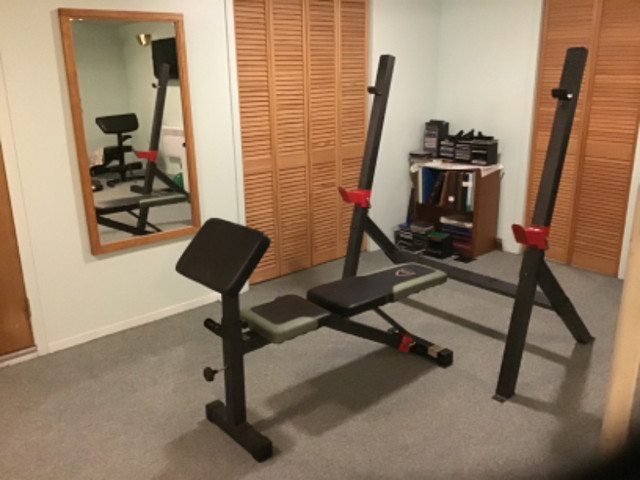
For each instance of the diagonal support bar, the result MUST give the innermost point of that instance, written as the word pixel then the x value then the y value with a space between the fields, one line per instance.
pixel 396 339
pixel 562 304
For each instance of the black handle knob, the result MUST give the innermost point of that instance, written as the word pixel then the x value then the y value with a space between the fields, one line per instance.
pixel 561 94
pixel 209 374
pixel 213 326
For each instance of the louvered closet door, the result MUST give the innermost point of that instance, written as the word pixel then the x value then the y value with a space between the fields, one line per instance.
pixel 289 92
pixel 252 51
pixel 567 24
pixel 605 174
pixel 322 55
pixel 302 71
pixel 352 102
pixel 590 213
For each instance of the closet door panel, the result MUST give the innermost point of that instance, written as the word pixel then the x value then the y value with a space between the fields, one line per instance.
pixel 567 24
pixel 324 197
pixel 323 129
pixel 252 53
pixel 612 128
pixel 289 92
pixel 352 102
pixel 601 216
pixel 302 71
pixel 260 214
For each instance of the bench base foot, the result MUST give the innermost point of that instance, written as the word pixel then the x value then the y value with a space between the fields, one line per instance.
pixel 259 446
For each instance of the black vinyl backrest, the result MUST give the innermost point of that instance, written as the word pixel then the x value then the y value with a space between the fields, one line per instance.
pixel 223 255
pixel 125 123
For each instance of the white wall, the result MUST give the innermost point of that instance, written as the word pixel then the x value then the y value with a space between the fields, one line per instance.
pixel 76 296
pixel 100 65
pixel 488 54
pixel 409 31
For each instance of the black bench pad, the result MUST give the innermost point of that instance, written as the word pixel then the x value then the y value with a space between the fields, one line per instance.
pixel 354 295
pixel 284 318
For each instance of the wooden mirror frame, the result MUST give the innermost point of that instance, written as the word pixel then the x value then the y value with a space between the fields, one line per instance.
pixel 65 16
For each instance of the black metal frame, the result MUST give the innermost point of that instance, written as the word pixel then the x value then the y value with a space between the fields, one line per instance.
pixel 533 271
pixel 147 199
pixel 231 416
pixel 376 121
pixel 396 337
pixel 238 340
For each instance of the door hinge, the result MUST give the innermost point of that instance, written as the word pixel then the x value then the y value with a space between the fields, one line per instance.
pixel 27 307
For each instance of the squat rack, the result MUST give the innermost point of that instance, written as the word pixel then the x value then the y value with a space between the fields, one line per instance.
pixel 534 271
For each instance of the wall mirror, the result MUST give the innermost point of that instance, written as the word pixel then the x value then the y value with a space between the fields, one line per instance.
pixel 129 94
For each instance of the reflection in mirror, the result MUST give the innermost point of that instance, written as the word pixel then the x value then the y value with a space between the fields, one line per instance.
pixel 135 145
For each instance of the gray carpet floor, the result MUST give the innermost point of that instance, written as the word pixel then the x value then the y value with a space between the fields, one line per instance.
pixel 131 405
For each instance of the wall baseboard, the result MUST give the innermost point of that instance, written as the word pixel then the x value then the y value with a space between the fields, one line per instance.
pixel 132 322
pixel 18 357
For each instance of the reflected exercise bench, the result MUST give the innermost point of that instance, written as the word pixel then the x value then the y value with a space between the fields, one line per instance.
pixel 223 255
pixel 138 206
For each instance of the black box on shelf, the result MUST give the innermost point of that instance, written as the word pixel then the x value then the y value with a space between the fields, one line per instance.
pixel 439 245
pixel 448 149
pixel 414 237
pixel 434 132
pixel 463 151
pixel 484 152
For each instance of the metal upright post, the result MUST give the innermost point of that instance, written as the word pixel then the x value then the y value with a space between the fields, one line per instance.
pixel 534 271
pixel 154 143
pixel 233 354
pixel 360 197
pixel 231 416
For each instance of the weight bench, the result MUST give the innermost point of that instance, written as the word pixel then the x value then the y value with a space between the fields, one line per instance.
pixel 132 204
pixel 223 255
pixel 331 305
pixel 118 125
pixel 139 205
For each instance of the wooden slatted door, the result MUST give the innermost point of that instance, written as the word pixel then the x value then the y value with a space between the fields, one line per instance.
pixel 352 101
pixel 322 55
pixel 611 131
pixel 302 71
pixel 567 24
pixel 590 211
pixel 289 92
pixel 15 322
pixel 258 155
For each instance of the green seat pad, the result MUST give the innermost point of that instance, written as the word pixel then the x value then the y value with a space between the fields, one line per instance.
pixel 354 295
pixel 284 318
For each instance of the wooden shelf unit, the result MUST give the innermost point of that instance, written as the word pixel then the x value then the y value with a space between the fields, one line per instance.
pixel 485 213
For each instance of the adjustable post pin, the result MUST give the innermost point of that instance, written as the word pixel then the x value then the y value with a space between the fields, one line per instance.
pixel 210 373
